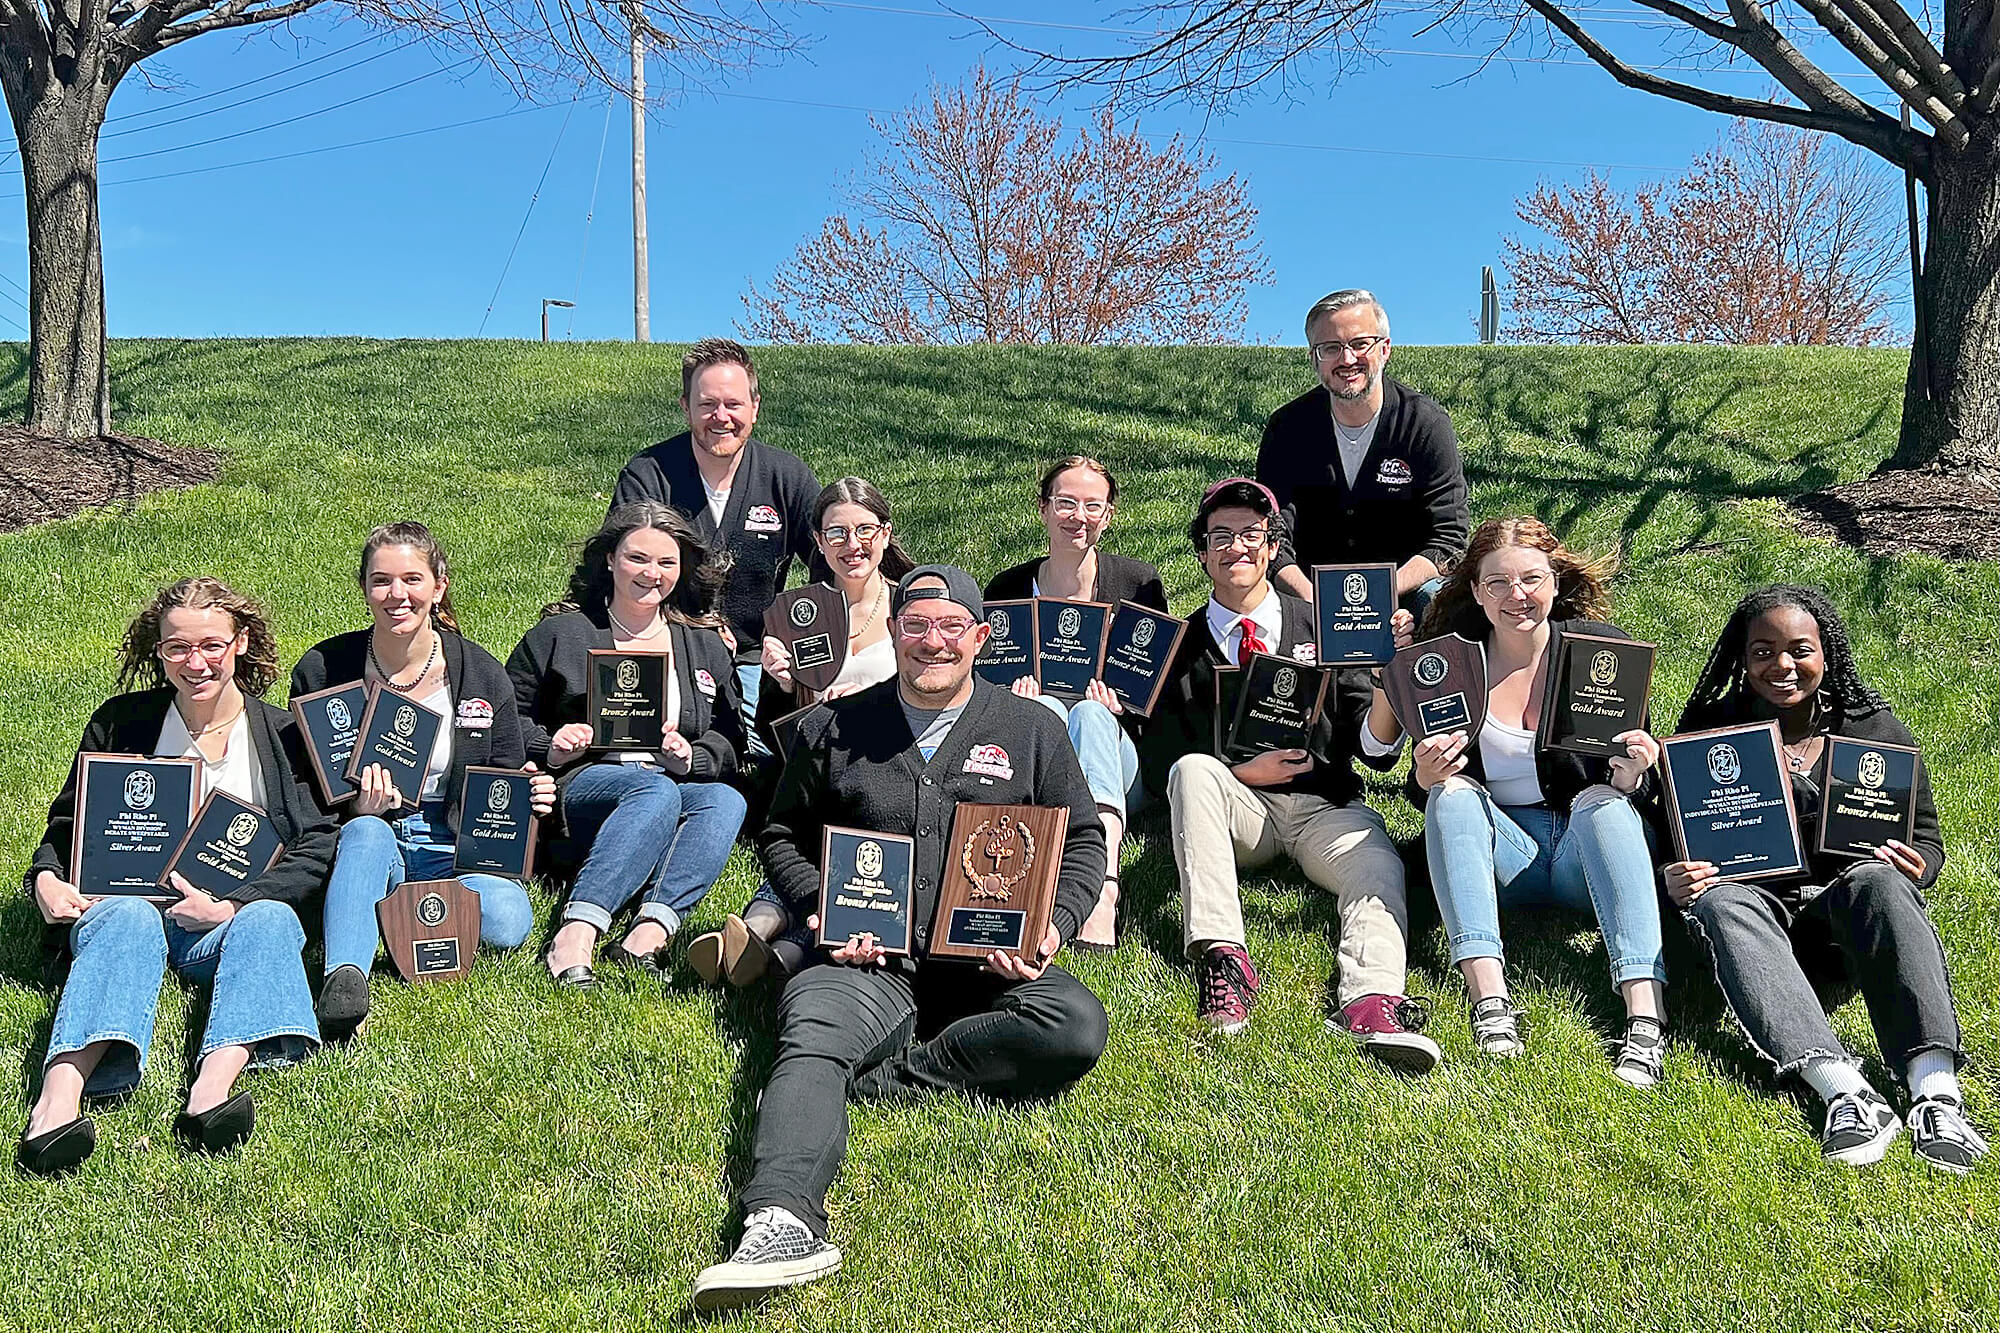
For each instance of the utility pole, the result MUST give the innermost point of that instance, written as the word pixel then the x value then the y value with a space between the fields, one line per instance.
pixel 642 316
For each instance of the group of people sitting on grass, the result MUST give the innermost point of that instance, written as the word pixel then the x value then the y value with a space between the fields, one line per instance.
pixel 699 542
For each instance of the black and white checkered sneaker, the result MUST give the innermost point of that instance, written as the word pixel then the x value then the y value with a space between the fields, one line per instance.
pixel 1860 1126
pixel 777 1251
pixel 1941 1135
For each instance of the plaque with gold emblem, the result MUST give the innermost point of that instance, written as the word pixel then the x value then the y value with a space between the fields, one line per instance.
pixel 999 880
pixel 231 843
pixel 627 699
pixel 398 734
pixel 430 928
pixel 1870 796
pixel 1595 690
pixel 866 885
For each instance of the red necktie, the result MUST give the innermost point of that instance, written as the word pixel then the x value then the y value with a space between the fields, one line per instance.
pixel 1250 643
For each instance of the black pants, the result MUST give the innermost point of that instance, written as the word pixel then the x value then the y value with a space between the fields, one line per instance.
pixel 1870 923
pixel 847 1032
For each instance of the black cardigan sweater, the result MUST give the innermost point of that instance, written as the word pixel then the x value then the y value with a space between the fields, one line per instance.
pixel 1119 579
pixel 550 674
pixel 1880 724
pixel 1562 773
pixel 484 726
pixel 130 724
pixel 1410 499
pixel 856 764
pixel 1184 720
pixel 766 522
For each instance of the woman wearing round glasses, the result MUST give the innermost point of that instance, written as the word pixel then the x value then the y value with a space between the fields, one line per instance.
pixel 208 652
pixel 857 555
pixel 1510 823
pixel 1078 498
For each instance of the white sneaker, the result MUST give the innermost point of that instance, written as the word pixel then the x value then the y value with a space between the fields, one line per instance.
pixel 777 1251
pixel 1860 1126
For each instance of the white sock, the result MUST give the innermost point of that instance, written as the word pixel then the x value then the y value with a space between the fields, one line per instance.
pixel 1832 1078
pixel 1935 1074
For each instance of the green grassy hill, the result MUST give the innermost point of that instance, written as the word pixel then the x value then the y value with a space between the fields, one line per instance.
pixel 496 1154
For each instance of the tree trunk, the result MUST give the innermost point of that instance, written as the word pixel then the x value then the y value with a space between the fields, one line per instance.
pixel 69 391
pixel 1956 424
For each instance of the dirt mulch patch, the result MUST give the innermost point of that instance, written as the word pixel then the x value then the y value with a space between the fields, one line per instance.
pixel 43 478
pixel 1954 515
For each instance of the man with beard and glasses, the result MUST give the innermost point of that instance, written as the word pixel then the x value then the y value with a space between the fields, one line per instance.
pixel 1365 469
pixel 898 757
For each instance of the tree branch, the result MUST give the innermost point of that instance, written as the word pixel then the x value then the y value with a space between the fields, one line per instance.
pixel 1769 47
pixel 234 14
pixel 1929 61
pixel 1875 131
pixel 1836 20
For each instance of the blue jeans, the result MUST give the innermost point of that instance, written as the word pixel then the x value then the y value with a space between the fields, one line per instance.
pixel 1485 856
pixel 122 948
pixel 375 856
pixel 1104 751
pixel 750 680
pixel 649 836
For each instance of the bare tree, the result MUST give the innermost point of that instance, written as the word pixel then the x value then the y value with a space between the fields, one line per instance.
pixel 1943 63
pixel 61 61
pixel 978 221
pixel 1779 236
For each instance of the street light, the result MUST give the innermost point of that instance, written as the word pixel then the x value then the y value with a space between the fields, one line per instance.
pixel 548 301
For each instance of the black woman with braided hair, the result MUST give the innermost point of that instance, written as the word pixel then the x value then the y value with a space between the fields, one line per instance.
pixel 1785 656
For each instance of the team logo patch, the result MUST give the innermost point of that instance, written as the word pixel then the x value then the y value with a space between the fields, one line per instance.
pixel 804 612
pixel 1000 621
pixel 1305 652
pixel 498 795
pixel 704 682
pixel 406 721
pixel 139 790
pixel 1430 669
pixel 241 830
pixel 1604 668
pixel 1873 768
pixel 1393 472
pixel 763 518
pixel 1285 683
pixel 1724 764
pixel 338 714
pixel 628 675
pixel 474 713
pixel 868 860
pixel 1354 588
pixel 990 760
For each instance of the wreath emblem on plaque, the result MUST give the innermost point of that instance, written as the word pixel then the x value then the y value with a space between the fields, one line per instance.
pixel 628 675
pixel 1873 769
pixel 1724 764
pixel 241 830
pixel 431 909
pixel 1355 589
pixel 1604 667
pixel 336 713
pixel 139 790
pixel 999 621
pixel 1143 636
pixel 804 612
pixel 498 795
pixel 1285 682
pixel 406 721
pixel 1069 622
pixel 998 842
pixel 1430 669
pixel 868 860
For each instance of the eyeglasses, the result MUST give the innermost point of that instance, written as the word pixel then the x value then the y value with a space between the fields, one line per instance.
pixel 920 627
pixel 862 533
pixel 1529 583
pixel 1330 351
pixel 1221 539
pixel 178 651
pixel 1090 509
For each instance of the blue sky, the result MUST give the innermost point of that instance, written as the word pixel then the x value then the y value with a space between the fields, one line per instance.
pixel 1401 178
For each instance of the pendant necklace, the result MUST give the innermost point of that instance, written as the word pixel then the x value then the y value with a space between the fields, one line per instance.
pixel 437 643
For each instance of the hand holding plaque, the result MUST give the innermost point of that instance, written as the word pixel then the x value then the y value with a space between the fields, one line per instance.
pixel 867 883
pixel 1729 801
pixel 627 699
pixel 1138 651
pixel 1596 691
pixel 999 884
pixel 1278 703
pixel 496 823
pixel 1069 645
pixel 132 815
pixel 1870 796
pixel 1352 605
pixel 397 734
pixel 1438 686
pixel 811 623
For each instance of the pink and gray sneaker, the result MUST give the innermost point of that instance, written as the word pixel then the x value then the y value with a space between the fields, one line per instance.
pixel 1225 986
pixel 1390 1028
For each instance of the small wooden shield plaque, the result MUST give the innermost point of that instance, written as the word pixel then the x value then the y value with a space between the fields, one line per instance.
pixel 1438 686
pixel 430 928
pixel 811 621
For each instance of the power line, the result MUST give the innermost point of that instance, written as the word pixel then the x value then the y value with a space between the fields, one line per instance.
pixel 512 250
pixel 576 288
pixel 275 92
pixel 183 103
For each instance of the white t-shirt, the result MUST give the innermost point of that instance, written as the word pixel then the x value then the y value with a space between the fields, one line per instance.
pixel 1353 445
pixel 871 666
pixel 1508 756
pixel 237 772
pixel 439 702
pixel 717 501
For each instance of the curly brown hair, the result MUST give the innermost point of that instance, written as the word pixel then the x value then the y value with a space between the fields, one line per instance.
pixel 1583 585
pixel 256 665
pixel 703 569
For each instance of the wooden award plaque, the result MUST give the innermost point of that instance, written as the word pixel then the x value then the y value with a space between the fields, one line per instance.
pixel 430 928
pixel 999 880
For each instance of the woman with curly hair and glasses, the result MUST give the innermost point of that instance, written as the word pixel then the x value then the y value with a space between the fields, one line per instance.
pixel 205 652
pixel 1784 656
pixel 1508 822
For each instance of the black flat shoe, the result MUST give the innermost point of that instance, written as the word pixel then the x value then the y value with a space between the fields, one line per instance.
pixel 342 1007
pixel 580 977
pixel 653 964
pixel 219 1128
pixel 58 1151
